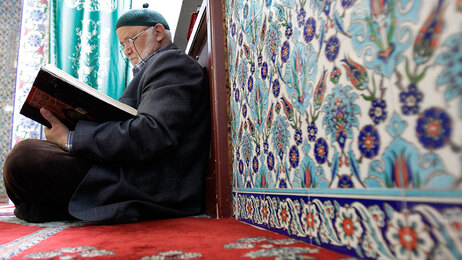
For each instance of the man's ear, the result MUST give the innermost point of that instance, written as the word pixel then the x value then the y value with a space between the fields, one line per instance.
pixel 160 32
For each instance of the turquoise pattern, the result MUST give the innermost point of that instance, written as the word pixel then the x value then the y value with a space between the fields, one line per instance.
pixel 83 42
pixel 346 123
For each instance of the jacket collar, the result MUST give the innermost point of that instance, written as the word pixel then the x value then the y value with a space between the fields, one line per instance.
pixel 136 69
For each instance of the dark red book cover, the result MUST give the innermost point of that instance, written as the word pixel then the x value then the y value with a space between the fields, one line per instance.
pixel 70 100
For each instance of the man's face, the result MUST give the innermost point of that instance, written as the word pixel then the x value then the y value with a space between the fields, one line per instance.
pixel 138 42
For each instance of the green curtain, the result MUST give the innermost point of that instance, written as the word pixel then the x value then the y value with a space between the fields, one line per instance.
pixel 83 42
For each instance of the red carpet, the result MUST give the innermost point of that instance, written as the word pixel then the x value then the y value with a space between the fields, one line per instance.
pixel 181 238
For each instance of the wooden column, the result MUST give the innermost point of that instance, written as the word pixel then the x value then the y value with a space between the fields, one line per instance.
pixel 207 45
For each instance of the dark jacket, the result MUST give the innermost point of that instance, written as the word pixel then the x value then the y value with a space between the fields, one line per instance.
pixel 151 166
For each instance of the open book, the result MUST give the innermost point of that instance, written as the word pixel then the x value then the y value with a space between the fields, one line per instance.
pixel 71 100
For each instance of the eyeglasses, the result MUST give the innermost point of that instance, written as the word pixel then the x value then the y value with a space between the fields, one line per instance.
pixel 128 43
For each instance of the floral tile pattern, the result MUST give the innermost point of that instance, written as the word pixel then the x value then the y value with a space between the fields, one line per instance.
pixel 346 122
pixel 10 13
pixel 356 94
pixel 33 53
pixel 363 227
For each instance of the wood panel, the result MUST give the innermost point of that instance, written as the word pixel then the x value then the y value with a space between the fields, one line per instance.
pixel 207 46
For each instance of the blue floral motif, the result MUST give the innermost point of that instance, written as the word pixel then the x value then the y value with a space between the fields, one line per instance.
pixel 378 111
pixel 270 161
pixel 236 95
pixel 252 68
pixel 245 12
pixel 294 156
pixel 309 30
pixel 332 48
pixel 276 88
pixel 312 131
pixel 434 128
pixel 34 40
pixel 37 16
pixel 233 29
pixel 289 31
pixel 285 51
pixel 369 141
pixel 301 17
pixel 257 150
pixel 264 70
pixel 255 164
pixel 321 150
pixel 265 146
pixel 250 84
pixel 340 112
pixel 281 134
pixel 244 111
pixel 298 136
pixel 260 61
pixel 410 100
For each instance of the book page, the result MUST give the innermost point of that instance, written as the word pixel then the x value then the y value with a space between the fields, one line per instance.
pixel 84 87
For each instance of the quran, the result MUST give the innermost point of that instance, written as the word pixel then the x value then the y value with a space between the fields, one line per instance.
pixel 71 100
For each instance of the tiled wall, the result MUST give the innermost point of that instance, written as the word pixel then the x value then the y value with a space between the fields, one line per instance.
pixel 10 20
pixel 346 123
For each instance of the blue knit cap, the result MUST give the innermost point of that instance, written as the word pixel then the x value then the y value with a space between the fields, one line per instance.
pixel 142 17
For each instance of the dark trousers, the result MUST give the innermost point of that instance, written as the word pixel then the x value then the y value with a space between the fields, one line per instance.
pixel 40 178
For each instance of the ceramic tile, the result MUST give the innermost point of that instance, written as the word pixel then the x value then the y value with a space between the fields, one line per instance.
pixel 365 228
pixel 10 14
pixel 349 107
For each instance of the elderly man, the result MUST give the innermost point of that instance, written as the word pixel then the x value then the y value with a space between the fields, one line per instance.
pixel 151 166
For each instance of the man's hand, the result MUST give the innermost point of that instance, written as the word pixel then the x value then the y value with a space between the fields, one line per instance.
pixel 58 132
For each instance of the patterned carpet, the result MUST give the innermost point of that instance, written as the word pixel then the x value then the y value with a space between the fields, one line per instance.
pixel 181 238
